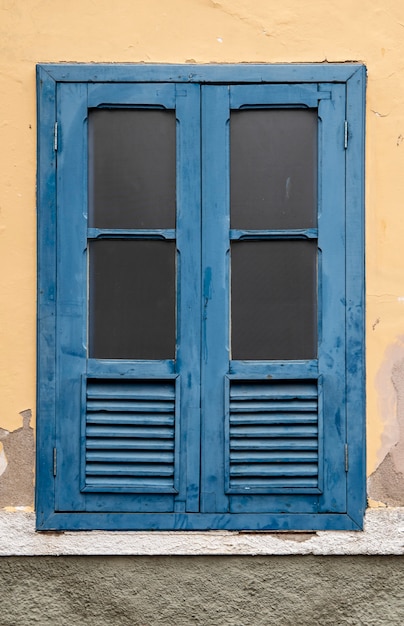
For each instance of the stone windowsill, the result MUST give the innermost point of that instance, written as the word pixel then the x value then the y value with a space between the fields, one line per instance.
pixel 383 535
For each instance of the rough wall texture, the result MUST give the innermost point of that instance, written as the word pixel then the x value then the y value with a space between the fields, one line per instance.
pixel 386 484
pixel 17 468
pixel 176 591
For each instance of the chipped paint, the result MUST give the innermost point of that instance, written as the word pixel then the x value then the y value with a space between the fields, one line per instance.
pixel 17 479
pixel 386 484
pixel 385 384
pixel 296 536
pixel 3 459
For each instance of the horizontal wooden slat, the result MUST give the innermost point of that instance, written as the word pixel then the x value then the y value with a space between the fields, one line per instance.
pixel 143 419
pixel 275 469
pixel 262 431
pixel 129 456
pixel 155 484
pixel 111 431
pixel 273 418
pixel 277 405
pixel 114 405
pixel 129 469
pixel 275 456
pixel 274 444
pixel 138 390
pixel 129 444
pixel 264 485
pixel 284 390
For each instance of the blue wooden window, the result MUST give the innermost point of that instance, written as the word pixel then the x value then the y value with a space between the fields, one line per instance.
pixel 200 303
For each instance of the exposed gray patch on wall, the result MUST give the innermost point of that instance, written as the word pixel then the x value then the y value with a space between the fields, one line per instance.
pixel 386 484
pixel 17 480
pixel 297 537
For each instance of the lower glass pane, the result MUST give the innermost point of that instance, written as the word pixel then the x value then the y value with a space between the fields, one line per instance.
pixel 132 299
pixel 274 300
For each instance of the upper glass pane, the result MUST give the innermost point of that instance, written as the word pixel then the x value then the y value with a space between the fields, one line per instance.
pixel 273 176
pixel 131 168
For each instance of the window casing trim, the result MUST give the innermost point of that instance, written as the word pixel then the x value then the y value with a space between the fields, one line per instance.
pixel 353 75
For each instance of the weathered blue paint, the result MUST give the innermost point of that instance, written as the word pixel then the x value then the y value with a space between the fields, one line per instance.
pixel 274 369
pixel 159 519
pixel 125 233
pixel 201 485
pixel 46 301
pixel 266 96
pixel 355 292
pixel 215 332
pixel 128 369
pixel 188 356
pixel 331 242
pixel 303 233
pixel 231 73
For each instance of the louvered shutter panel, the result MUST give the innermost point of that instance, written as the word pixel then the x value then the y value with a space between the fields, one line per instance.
pixel 130 436
pixel 282 399
pixel 273 435
pixel 122 434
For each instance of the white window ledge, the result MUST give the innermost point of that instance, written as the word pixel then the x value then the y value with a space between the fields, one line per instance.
pixel 383 535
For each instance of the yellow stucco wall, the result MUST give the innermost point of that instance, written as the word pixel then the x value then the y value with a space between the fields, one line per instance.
pixel 202 31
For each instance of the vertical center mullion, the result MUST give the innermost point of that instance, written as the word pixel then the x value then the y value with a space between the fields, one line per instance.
pixel 215 290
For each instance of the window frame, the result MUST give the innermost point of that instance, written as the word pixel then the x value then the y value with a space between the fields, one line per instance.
pixel 353 77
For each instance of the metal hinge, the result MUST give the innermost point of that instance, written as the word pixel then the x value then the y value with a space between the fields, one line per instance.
pixel 346 458
pixel 55 137
pixel 345 134
pixel 54 461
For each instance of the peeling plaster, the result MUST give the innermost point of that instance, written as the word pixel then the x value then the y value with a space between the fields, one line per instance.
pixel 17 478
pixel 386 484
pixel 295 536
pixel 387 397
pixel 3 459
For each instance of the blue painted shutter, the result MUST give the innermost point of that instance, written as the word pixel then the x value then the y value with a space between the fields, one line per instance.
pixel 284 421
pixel 201 440
pixel 127 430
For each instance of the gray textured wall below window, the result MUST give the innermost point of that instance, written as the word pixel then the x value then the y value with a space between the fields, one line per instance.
pixel 181 591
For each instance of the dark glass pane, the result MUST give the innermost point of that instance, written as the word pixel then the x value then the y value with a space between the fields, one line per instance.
pixel 131 168
pixel 274 299
pixel 132 299
pixel 273 176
